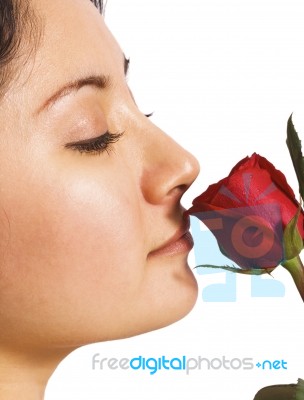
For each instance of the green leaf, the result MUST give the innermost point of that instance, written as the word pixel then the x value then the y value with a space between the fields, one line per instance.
pixel 277 392
pixel 282 392
pixel 295 150
pixel 293 242
pixel 252 271
pixel 300 390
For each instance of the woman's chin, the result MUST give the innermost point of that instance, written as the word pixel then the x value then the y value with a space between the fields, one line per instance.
pixel 155 305
pixel 184 299
pixel 174 304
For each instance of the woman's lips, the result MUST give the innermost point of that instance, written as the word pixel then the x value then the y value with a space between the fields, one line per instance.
pixel 181 242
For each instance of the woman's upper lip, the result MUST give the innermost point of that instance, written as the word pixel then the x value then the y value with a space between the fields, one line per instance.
pixel 184 228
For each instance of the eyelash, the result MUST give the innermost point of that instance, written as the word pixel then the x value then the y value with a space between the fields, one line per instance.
pixel 97 145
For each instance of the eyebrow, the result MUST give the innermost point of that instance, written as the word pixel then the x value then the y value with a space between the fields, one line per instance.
pixel 98 81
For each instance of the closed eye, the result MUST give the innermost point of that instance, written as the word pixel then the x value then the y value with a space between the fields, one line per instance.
pixel 96 145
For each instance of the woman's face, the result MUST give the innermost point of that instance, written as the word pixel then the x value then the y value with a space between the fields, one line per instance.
pixel 79 230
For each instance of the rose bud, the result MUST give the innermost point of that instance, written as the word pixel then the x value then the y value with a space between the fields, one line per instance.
pixel 254 216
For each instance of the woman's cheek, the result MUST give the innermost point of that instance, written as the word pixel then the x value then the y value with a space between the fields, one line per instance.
pixel 98 214
pixel 79 224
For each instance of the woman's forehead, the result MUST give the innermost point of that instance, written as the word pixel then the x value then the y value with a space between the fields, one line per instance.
pixel 75 42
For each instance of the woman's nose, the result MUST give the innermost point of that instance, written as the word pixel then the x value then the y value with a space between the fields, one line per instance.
pixel 168 169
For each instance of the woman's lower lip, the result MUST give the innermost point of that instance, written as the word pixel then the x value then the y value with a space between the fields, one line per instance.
pixel 182 245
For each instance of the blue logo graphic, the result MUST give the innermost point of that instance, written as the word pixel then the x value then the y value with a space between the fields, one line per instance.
pixel 206 251
pixel 183 363
pixel 276 364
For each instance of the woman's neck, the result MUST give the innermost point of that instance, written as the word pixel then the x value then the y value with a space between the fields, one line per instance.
pixel 21 390
pixel 24 374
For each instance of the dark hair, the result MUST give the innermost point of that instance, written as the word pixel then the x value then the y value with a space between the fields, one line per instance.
pixel 14 17
pixel 18 21
pixel 98 4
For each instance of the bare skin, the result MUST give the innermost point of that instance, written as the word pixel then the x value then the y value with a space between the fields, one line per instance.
pixel 79 230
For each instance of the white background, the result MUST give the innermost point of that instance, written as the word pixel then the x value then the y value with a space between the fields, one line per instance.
pixel 222 78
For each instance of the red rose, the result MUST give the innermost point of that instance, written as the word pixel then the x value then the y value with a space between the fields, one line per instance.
pixel 253 214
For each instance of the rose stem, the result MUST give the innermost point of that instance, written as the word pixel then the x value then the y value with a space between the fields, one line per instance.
pixel 296 269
